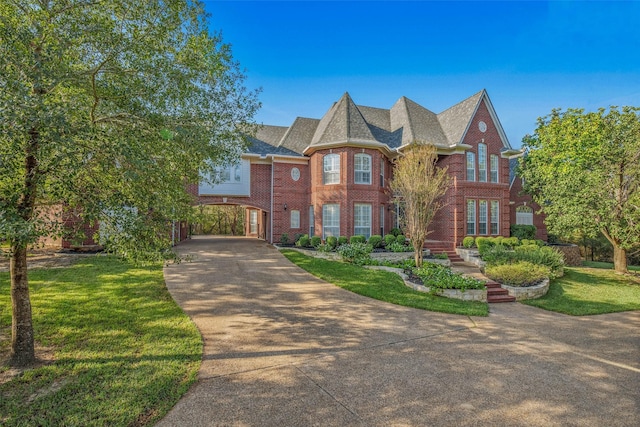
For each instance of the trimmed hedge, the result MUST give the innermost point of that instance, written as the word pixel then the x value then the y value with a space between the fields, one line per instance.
pixel 521 273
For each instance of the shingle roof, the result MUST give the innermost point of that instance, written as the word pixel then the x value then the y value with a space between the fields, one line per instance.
pixel 266 141
pixel 345 122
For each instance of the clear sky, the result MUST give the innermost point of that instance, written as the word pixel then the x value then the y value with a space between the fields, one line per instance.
pixel 530 56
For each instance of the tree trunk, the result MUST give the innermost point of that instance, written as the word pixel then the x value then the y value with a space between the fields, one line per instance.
pixel 417 254
pixel 22 347
pixel 619 259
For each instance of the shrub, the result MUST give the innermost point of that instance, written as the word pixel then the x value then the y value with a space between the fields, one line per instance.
pixel 523 231
pixel 468 242
pixel 437 277
pixel 303 241
pixel 521 273
pixel 342 240
pixel 401 239
pixel 375 241
pixel 511 242
pixel 395 231
pixel 397 247
pixel 443 255
pixel 324 247
pixel 389 239
pixel 357 239
pixel 483 244
pixel 497 255
pixel 356 253
pixel 315 241
pixel 545 255
pixel 332 242
pixel 284 238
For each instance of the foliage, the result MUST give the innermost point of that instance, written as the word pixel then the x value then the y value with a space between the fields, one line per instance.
pixel 123 351
pixel 583 169
pixel 284 238
pixel 315 241
pixel 389 239
pixel 588 291
pixel 375 241
pixel 395 231
pixel 342 240
pixel 324 247
pixel 332 242
pixel 303 241
pixel 109 108
pixel 529 252
pixel 398 247
pixel 401 239
pixel 443 255
pixel 521 273
pixel 498 254
pixel 468 242
pixel 223 219
pixel 382 285
pixel 483 244
pixel 436 277
pixel 522 231
pixel 420 185
pixel 355 253
pixel 357 239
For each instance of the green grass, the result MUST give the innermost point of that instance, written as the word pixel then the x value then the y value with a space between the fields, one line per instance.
pixel 382 285
pixel 607 265
pixel 585 291
pixel 124 352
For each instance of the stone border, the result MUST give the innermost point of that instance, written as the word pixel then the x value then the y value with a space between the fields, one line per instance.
pixel 472 256
pixel 528 292
pixel 468 295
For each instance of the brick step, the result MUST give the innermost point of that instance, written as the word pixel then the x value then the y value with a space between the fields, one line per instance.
pixel 500 298
pixel 497 291
pixel 492 284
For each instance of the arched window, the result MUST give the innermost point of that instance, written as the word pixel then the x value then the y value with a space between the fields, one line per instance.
pixel 331 169
pixel 362 168
pixel 482 163
pixel 524 215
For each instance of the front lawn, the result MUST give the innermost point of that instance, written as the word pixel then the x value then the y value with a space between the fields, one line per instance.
pixel 382 285
pixel 123 351
pixel 584 291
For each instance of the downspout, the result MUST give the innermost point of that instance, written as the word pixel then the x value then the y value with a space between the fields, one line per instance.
pixel 271 213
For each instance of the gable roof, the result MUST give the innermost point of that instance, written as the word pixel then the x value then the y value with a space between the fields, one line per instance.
pixel 388 129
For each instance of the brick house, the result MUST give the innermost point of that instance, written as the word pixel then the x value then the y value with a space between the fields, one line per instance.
pixel 330 176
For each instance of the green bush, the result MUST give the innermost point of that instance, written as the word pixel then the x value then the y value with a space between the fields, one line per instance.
pixel 521 273
pixel 397 247
pixel 356 253
pixel 401 239
pixel 357 239
pixel 483 244
pixel 523 231
pixel 284 238
pixel 395 231
pixel 468 242
pixel 545 255
pixel 303 241
pixel 315 241
pixel 375 241
pixel 332 242
pixel 511 242
pixel 436 276
pixel 389 239
pixel 497 255
pixel 342 240
pixel 443 255
pixel 324 247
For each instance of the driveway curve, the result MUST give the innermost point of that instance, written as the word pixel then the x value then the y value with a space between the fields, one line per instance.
pixel 283 348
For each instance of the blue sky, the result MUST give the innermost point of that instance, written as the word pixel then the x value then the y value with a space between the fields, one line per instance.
pixel 529 56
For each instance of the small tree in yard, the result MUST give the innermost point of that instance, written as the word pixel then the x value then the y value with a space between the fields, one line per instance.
pixel 584 170
pixel 109 108
pixel 420 185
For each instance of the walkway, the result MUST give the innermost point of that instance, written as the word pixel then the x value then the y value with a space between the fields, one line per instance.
pixel 283 348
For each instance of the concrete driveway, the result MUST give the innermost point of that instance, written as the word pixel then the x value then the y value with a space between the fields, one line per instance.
pixel 283 348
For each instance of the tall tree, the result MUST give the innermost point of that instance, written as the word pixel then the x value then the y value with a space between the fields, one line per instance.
pixel 419 184
pixel 108 107
pixel 584 170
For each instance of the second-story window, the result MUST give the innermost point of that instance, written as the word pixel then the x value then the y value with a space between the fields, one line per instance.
pixel 482 163
pixel 331 170
pixel 362 167
pixel 471 166
pixel 494 168
pixel 382 172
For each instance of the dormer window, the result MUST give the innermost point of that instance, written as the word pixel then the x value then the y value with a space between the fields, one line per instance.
pixel 331 169
pixel 362 168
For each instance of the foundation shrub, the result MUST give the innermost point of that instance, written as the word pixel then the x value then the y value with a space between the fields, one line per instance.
pixel 521 273
pixel 375 241
pixel 523 231
pixel 332 242
pixel 303 241
pixel 342 240
pixel 356 253
pixel 357 239
pixel 389 239
pixel 468 242
pixel 401 239
pixel 315 241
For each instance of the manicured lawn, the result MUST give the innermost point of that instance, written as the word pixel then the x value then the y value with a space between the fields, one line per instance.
pixel 123 351
pixel 382 285
pixel 584 291
pixel 607 265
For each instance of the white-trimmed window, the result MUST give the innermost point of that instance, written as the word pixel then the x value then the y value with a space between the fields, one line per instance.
pixel 495 212
pixel 471 217
pixel 312 220
pixel 524 215
pixel 382 172
pixel 494 168
pixel 330 220
pixel 471 166
pixel 382 220
pixel 295 218
pixel 362 220
pixel 482 163
pixel 362 168
pixel 482 217
pixel 331 169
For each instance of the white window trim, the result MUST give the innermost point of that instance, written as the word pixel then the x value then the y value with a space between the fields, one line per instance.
pixel 471 217
pixel 332 175
pixel 481 204
pixel 494 171
pixel 495 213
pixel 364 158
pixel 325 220
pixel 482 163
pixel 367 221
pixel 470 162
pixel 295 218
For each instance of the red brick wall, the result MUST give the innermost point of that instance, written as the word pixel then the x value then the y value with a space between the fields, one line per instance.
pixel 295 194
pixel 518 198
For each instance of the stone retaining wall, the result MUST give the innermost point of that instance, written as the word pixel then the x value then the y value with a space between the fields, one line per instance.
pixel 529 292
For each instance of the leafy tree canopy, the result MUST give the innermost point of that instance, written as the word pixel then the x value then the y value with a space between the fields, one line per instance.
pixel 584 170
